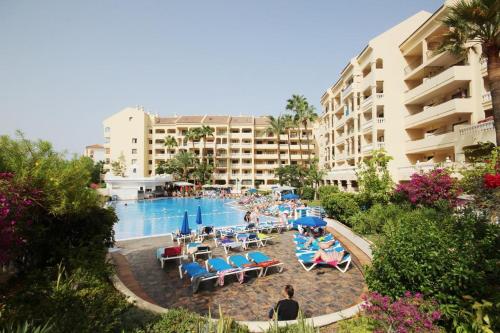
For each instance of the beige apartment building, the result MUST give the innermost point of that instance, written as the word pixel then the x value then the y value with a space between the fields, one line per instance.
pixel 95 152
pixel 400 95
pixel 244 153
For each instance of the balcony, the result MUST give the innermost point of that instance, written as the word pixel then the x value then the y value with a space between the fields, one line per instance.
pixel 484 66
pixel 446 81
pixel 340 123
pixel 266 166
pixel 367 102
pixel 266 156
pixel 266 146
pixel 406 172
pixel 432 142
pixel 347 91
pixel 367 147
pixel 348 173
pixel 487 100
pixel 441 112
pixel 220 175
pixel 367 125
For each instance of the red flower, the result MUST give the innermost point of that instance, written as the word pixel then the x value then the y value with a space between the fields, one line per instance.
pixel 491 181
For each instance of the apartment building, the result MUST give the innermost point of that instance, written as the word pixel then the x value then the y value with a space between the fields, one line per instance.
pixel 95 152
pixel 244 153
pixel 399 94
pixel 362 110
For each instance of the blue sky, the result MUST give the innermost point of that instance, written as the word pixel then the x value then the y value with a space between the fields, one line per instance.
pixel 67 65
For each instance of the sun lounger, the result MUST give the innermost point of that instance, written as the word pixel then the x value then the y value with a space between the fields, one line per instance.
pixel 264 238
pixel 223 269
pixel 205 232
pixel 228 244
pixel 315 246
pixel 169 253
pixel 195 249
pixel 243 263
pixel 264 261
pixel 306 260
pixel 196 273
pixel 249 238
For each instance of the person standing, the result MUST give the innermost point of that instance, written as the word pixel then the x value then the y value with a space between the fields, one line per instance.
pixel 287 308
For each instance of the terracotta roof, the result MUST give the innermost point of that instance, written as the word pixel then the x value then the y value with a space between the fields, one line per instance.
pixel 261 121
pixel 242 120
pixel 190 119
pixel 166 120
pixel 216 120
pixel 95 146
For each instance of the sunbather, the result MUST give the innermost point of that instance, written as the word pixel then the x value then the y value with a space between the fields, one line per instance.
pixel 331 257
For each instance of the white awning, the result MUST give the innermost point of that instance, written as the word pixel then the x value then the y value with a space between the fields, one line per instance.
pixel 183 184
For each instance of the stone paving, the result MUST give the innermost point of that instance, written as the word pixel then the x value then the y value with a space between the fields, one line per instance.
pixel 321 291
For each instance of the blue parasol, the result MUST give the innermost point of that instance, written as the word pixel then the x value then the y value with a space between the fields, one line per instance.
pixel 290 196
pixel 310 221
pixel 252 190
pixel 198 216
pixel 185 225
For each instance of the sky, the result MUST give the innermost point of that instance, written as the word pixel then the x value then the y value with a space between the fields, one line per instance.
pixel 65 66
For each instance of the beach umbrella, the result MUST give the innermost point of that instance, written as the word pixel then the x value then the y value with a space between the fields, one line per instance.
pixel 290 196
pixel 198 216
pixel 185 225
pixel 310 221
pixel 252 190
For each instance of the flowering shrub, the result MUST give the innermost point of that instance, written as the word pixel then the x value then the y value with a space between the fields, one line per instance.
pixel 410 313
pixel 491 181
pixel 429 188
pixel 15 200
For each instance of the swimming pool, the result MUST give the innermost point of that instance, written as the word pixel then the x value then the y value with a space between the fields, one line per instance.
pixel 156 217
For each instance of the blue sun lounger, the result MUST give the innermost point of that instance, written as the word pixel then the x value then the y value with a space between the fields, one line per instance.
pixel 306 259
pixel 222 268
pixel 260 258
pixel 196 273
pixel 243 263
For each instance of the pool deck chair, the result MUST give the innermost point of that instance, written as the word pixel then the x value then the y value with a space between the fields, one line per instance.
pixel 169 253
pixel 248 239
pixel 223 269
pixel 228 245
pixel 306 260
pixel 196 273
pixel 261 259
pixel 195 249
pixel 264 238
pixel 243 263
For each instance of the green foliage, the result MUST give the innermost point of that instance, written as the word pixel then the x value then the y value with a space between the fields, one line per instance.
pixel 359 324
pixel 479 152
pixel 307 193
pixel 26 327
pixel 441 255
pixel 183 321
pixel 170 142
pixel 373 220
pixel 326 190
pixel 97 171
pixel 473 316
pixel 202 172
pixel 291 175
pixel 302 326
pixel 341 206
pixel 180 165
pixel 119 167
pixel 374 179
pixel 72 302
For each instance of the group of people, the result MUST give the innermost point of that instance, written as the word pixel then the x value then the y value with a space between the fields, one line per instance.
pixel 318 241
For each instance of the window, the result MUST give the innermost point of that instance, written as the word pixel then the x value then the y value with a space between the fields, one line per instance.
pixel 134 151
pixel 130 118
pixel 107 129
pixel 134 161
pixel 108 160
pixel 134 140
pixel 107 140
pixel 134 170
pixel 108 150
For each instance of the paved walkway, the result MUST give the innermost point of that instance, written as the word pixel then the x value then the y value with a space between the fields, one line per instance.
pixel 318 294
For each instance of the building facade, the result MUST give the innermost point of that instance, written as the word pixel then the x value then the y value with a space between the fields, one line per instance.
pixel 95 152
pixel 400 95
pixel 244 153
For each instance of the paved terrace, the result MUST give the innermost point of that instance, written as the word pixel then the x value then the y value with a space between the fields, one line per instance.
pixel 322 291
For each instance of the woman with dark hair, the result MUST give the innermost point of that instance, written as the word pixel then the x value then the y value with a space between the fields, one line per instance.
pixel 287 308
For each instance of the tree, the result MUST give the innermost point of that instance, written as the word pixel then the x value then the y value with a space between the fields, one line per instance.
pixel 97 171
pixel 276 127
pixel 315 176
pixel 119 167
pixel 374 180
pixel 290 175
pixel 205 131
pixel 472 23
pixel 203 172
pixel 179 165
pixel 170 142
pixel 304 114
pixel 290 124
pixel 193 134
pixel 296 104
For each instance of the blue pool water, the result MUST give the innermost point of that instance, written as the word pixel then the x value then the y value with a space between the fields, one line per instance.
pixel 157 217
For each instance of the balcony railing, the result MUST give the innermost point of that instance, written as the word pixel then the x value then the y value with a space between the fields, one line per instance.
pixel 367 100
pixel 367 124
pixel 347 90
pixel 436 112
pixel 487 97
pixel 477 128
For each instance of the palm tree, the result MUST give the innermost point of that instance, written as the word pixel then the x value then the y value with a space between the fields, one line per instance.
pixel 290 124
pixel 296 104
pixel 477 22
pixel 315 176
pixel 170 142
pixel 276 127
pixel 203 172
pixel 304 114
pixel 193 134
pixel 205 131
pixel 183 161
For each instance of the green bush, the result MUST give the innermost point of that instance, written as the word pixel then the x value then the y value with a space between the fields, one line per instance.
pixel 340 206
pixel 373 220
pixel 326 190
pixel 438 254
pixel 359 324
pixel 76 302
pixel 307 193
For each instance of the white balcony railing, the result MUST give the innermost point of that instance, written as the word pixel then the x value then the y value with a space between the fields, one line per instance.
pixel 368 124
pixel 477 128
pixel 367 100
pixel 367 147
pixel 487 97
pixel 347 90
